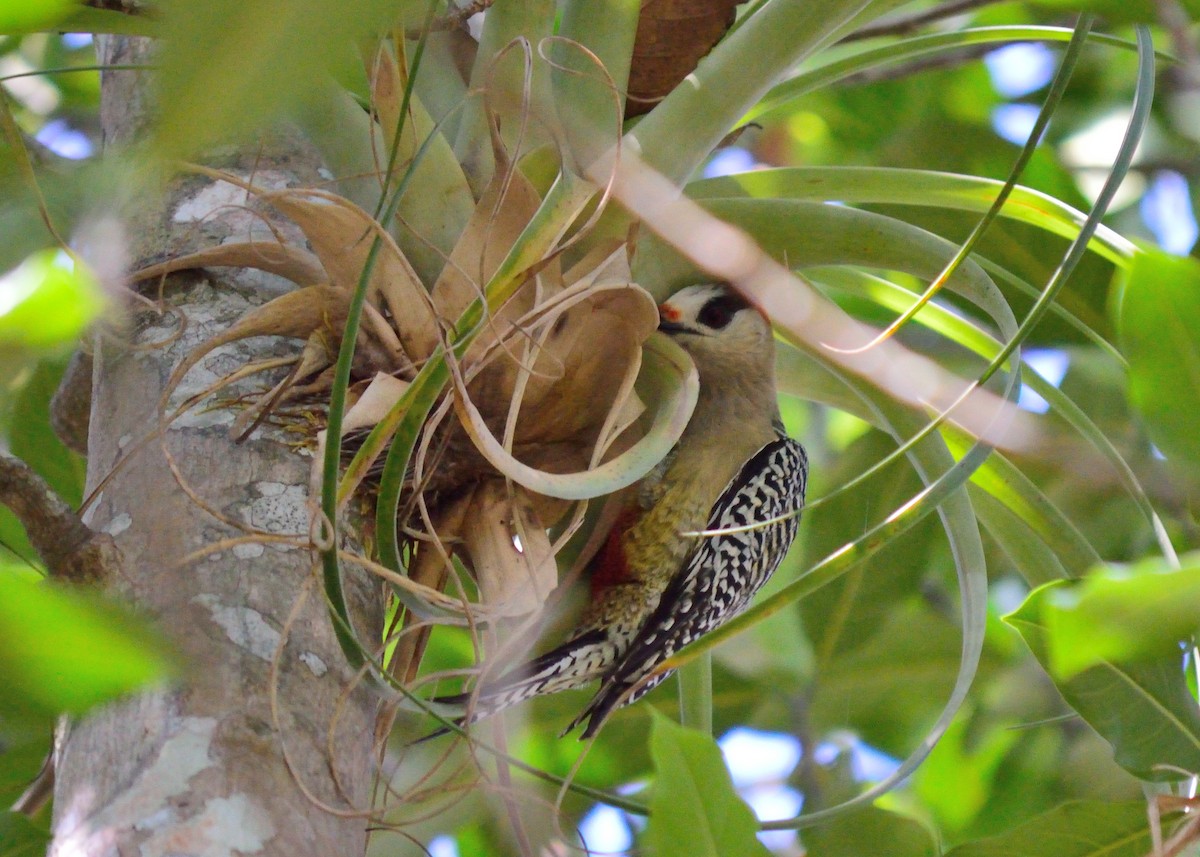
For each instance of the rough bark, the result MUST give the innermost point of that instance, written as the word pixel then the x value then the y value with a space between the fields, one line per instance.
pixel 205 767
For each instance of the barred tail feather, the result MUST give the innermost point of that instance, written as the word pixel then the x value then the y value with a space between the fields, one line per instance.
pixel 572 665
pixel 610 697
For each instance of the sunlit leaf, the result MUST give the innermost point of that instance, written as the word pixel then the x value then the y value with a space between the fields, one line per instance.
pixel 1159 325
pixel 695 810
pixel 65 652
pixel 956 780
pixel 1144 709
pixel 1118 615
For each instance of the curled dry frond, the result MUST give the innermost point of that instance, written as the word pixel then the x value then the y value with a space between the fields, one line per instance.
pixel 544 393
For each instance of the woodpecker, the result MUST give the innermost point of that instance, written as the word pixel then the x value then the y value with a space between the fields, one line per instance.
pixel 656 584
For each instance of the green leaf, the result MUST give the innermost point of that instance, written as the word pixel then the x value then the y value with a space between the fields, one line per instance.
pixel 850 611
pixel 862 832
pixel 695 810
pixel 957 779
pixel 20 837
pixel 1119 615
pixel 810 234
pixel 1074 829
pixel 683 129
pixel 108 21
pixel 65 651
pixel 1020 495
pixel 1032 558
pixel 46 302
pixel 1115 11
pixel 29 16
pixel 1143 709
pixel 1159 328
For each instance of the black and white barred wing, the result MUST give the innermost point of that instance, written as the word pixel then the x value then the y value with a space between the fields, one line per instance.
pixel 761 507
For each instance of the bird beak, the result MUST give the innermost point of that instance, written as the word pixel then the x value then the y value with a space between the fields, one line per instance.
pixel 668 319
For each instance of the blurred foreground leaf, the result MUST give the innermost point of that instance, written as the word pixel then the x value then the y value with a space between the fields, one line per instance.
pixel 18 16
pixel 23 751
pixel 46 302
pixel 229 66
pixel 63 652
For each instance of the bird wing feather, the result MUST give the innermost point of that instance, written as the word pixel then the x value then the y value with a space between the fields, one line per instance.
pixel 719 577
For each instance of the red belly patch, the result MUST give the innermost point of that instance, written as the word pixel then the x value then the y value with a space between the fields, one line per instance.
pixel 611 565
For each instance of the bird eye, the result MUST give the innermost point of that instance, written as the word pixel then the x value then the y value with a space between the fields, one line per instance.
pixel 719 311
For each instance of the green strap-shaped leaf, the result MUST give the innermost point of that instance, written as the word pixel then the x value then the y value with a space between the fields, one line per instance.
pixel 923 45
pixel 678 134
pixel 911 187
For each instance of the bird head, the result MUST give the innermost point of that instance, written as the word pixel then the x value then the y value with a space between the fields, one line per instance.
pixel 721 330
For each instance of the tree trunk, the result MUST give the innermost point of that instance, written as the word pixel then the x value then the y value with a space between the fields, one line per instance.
pixel 210 766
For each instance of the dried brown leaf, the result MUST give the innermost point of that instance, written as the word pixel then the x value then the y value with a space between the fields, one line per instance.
pixel 376 400
pixel 372 405
pixel 387 94
pixel 296 314
pixel 503 212
pixel 341 235
pixel 593 351
pixel 509 550
pixel 313 359
pixel 285 260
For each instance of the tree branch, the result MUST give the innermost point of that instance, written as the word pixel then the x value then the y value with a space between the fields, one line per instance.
pixel 71 407
pixel 70 550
